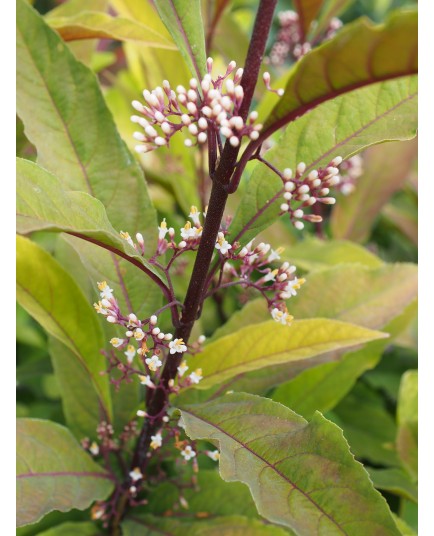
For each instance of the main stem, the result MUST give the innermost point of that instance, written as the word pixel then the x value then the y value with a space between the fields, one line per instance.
pixel 216 206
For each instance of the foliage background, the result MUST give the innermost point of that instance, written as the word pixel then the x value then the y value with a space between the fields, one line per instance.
pixel 368 412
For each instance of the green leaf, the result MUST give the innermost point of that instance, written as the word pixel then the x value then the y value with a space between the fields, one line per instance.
pixel 72 528
pixel 360 54
pixel 403 527
pixel 97 25
pixel 270 343
pixel 213 497
pixel 42 204
pixel 53 472
pixel 342 127
pixel 353 216
pixel 301 474
pixel 225 526
pixel 66 118
pixel 407 417
pixel 52 297
pixel 394 480
pixel 368 426
pixel 184 22
pixel 79 399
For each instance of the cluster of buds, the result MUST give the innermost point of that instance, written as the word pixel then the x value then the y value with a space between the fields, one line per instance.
pixel 275 284
pixel 302 190
pixel 209 107
pixel 350 171
pixel 289 41
pixel 190 234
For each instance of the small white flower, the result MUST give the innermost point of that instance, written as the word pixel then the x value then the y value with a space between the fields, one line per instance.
pixel 275 255
pixel 156 441
pixel 188 453
pixel 139 334
pixel 194 213
pixel 222 244
pixel 105 291
pixel 100 309
pixel 196 376
pixel 214 455
pixel 162 230
pixel 116 342
pixel 182 369
pixel 146 380
pixel 283 317
pixel 293 285
pixel 127 238
pixel 130 353
pixel 153 363
pixel 94 449
pixel 135 474
pixel 177 346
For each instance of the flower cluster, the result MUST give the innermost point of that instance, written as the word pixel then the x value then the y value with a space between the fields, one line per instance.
pixel 145 339
pixel 275 284
pixel 350 171
pixel 208 107
pixel 289 41
pixel 302 190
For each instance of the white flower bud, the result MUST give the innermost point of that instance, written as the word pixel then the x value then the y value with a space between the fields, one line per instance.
pixel 234 141
pixel 153 320
pixel 139 136
pixel 284 207
pixel 160 141
pixel 287 173
pixel 166 128
pixel 298 213
pixel 254 135
pixel 202 137
pixel 303 189
pixel 155 331
pixel 289 186
pixel 159 117
pixel 203 123
pixel 192 95
pixel 337 161
pixel 185 119
pixel 287 195
pixel 138 106
pixel 193 83
pixel 193 129
pixel 298 225
pixel 301 168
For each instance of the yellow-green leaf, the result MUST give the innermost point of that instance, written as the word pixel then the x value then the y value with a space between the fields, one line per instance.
pixel 97 25
pixel 269 343
pixel 52 297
